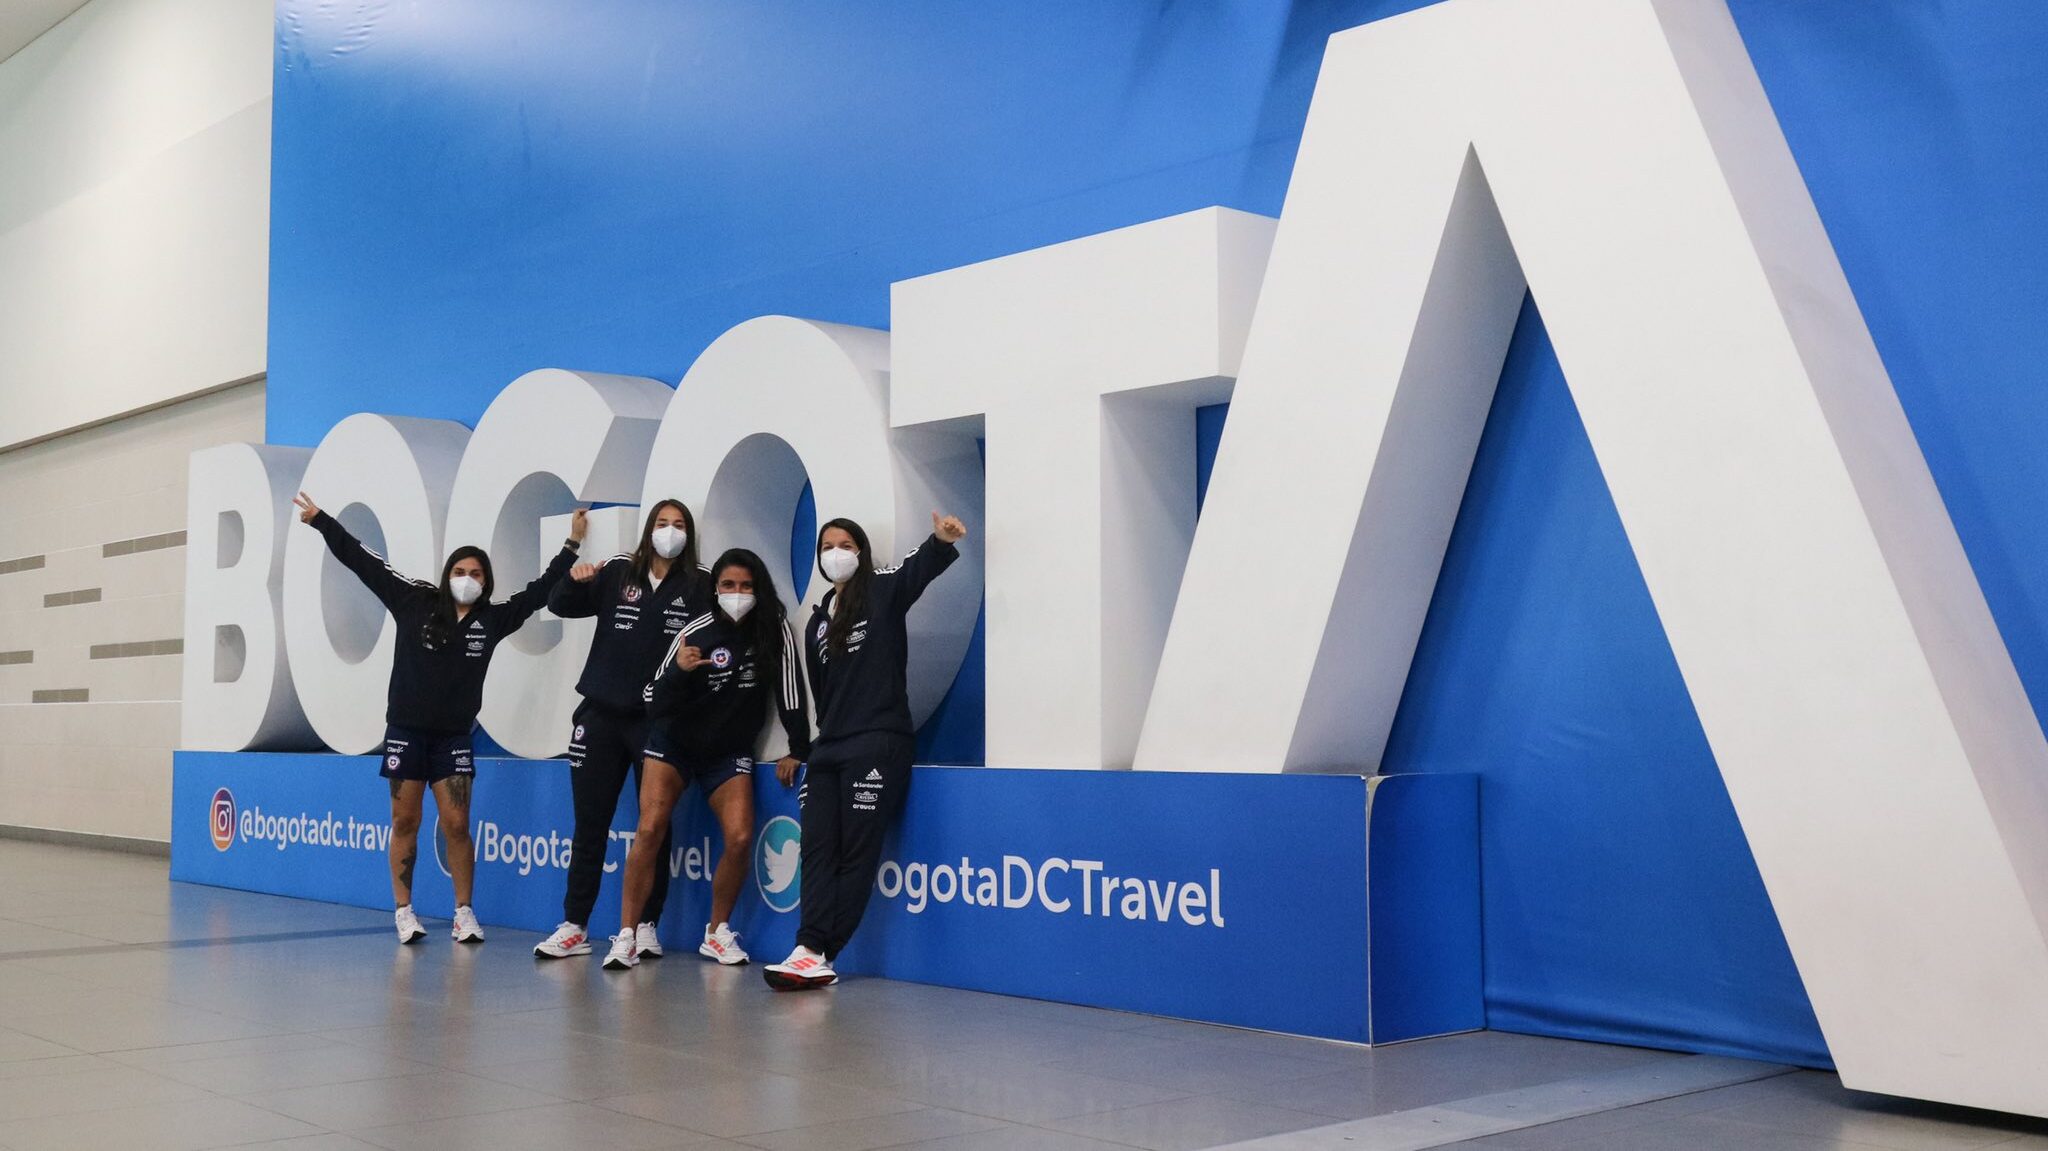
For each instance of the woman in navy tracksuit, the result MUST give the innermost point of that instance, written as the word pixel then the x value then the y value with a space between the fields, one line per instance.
pixel 859 768
pixel 641 601
pixel 446 636
pixel 706 710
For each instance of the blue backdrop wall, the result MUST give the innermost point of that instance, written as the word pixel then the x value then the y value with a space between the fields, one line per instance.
pixel 469 189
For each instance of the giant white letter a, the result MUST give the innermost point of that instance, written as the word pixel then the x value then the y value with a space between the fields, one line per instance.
pixel 1621 155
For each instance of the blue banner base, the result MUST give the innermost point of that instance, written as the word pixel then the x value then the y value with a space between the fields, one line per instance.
pixel 1338 907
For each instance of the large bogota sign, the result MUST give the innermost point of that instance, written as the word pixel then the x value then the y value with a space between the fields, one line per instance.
pixel 1618 159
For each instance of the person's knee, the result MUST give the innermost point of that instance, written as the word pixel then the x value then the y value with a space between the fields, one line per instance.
pixel 653 827
pixel 739 840
pixel 455 825
pixel 405 823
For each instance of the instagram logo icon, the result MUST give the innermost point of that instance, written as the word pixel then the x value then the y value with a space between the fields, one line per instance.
pixel 223 819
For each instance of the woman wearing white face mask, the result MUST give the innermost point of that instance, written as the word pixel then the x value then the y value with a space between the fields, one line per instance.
pixel 706 710
pixel 446 635
pixel 859 772
pixel 641 601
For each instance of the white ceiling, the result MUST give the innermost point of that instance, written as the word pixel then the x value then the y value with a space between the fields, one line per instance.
pixel 23 20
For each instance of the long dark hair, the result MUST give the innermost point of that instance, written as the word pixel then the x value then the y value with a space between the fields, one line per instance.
pixel 643 556
pixel 765 621
pixel 852 605
pixel 440 623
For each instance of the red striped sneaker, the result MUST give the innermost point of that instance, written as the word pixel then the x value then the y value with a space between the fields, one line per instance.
pixel 803 970
pixel 624 954
pixel 568 939
pixel 723 944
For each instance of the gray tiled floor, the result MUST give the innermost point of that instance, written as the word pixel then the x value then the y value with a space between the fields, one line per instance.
pixel 140 1014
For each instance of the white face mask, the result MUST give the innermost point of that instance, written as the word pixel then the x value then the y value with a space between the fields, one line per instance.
pixel 668 541
pixel 736 604
pixel 465 589
pixel 839 564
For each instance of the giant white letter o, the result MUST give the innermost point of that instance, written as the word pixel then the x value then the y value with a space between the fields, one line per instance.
pixel 551 438
pixel 824 389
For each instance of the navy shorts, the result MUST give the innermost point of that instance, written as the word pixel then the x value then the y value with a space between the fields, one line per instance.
pixel 426 756
pixel 710 774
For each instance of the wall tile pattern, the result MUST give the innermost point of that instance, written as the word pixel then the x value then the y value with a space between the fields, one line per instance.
pixel 92 580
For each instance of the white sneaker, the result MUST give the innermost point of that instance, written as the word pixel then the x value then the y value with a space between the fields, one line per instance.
pixel 623 953
pixel 568 939
pixel 409 929
pixel 648 940
pixel 803 970
pixel 723 944
pixel 466 929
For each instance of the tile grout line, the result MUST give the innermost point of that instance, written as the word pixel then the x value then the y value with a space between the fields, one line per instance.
pixel 1480 1116
pixel 249 1100
pixel 187 944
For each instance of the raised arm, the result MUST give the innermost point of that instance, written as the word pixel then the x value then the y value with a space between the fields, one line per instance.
pixel 577 597
pixel 534 596
pixel 387 585
pixel 928 559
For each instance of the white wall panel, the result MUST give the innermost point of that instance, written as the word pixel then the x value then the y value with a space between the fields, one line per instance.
pixel 134 210
pixel 75 506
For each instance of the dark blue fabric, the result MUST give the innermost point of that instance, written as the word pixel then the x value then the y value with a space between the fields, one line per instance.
pixel 1621 901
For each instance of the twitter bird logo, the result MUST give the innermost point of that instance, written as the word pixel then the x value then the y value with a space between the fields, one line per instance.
pixel 778 853
pixel 780 866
